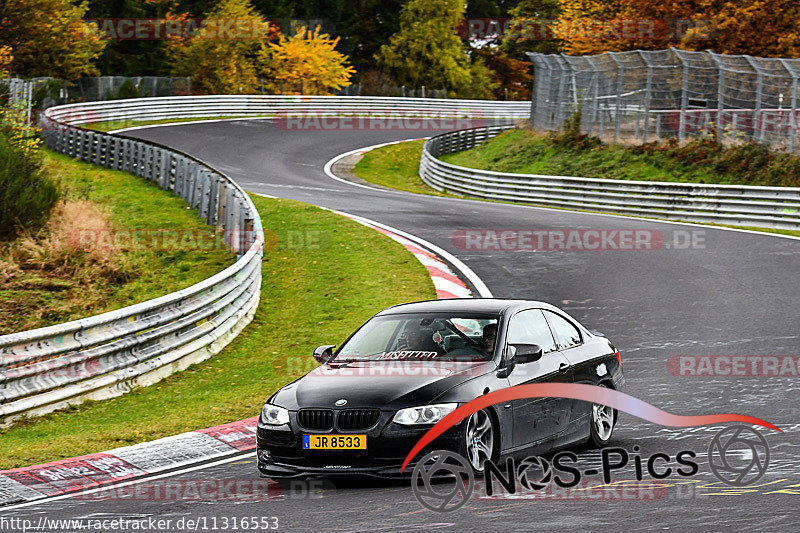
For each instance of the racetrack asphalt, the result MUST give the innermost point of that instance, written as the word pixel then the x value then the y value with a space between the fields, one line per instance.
pixel 731 294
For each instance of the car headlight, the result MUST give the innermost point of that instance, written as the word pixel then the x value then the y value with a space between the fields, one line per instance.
pixel 426 414
pixel 272 415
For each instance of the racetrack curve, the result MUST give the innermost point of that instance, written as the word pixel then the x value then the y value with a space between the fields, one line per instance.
pixel 735 293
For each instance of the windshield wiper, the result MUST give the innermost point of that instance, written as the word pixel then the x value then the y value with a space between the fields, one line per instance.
pixel 352 359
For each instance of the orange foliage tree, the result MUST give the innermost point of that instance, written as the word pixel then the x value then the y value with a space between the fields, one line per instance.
pixel 5 60
pixel 755 27
pixel 49 38
pixel 305 65
pixel 218 62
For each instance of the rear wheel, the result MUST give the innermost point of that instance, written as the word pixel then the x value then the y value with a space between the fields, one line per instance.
pixel 480 439
pixel 601 425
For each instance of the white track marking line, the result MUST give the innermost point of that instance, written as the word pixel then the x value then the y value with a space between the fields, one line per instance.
pixel 468 273
pixel 329 165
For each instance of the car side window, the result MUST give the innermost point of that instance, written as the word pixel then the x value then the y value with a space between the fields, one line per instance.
pixel 530 327
pixel 567 334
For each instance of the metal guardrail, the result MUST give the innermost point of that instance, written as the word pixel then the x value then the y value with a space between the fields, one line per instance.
pixel 106 355
pixel 171 107
pixel 102 356
pixel 739 205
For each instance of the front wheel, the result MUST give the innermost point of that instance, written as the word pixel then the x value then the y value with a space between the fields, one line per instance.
pixel 480 439
pixel 601 425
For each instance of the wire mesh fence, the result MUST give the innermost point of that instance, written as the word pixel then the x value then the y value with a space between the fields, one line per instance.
pixel 44 92
pixel 91 89
pixel 641 96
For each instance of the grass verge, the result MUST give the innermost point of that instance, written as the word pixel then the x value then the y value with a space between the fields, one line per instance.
pixel 525 151
pixel 74 268
pixel 319 283
pixel 395 166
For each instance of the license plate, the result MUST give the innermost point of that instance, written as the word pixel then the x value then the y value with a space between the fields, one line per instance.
pixel 334 442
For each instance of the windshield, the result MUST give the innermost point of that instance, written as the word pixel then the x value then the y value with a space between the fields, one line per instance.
pixel 424 337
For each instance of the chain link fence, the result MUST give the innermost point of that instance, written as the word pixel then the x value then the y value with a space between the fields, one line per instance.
pixel 641 96
pixel 51 91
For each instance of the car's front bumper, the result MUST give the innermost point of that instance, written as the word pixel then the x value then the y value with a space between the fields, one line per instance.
pixel 388 444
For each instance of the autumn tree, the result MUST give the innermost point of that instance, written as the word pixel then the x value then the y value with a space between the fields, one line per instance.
pixel 531 29
pixel 49 38
pixel 217 61
pixel 426 51
pixel 5 60
pixel 754 27
pixel 368 25
pixel 309 65
pixel 769 28
pixel 511 78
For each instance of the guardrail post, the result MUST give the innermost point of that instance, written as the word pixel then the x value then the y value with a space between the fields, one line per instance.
pixel 221 206
pixel 758 116
pixel 115 161
pixel 793 118
pixel 211 214
pixel 720 95
pixel 620 86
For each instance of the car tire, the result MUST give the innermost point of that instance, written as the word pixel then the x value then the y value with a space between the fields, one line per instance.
pixel 601 424
pixel 480 440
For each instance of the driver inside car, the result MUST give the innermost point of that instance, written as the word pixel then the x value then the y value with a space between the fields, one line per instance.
pixel 480 347
pixel 489 336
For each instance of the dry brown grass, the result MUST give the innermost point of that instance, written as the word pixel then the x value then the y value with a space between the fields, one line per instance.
pixel 59 251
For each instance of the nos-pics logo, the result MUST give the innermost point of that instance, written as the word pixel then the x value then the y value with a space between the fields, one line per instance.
pixel 444 481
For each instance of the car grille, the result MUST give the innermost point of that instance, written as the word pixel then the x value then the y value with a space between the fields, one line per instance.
pixel 348 419
pixel 358 418
pixel 315 418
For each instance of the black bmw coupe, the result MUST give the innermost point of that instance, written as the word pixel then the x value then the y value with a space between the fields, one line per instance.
pixel 371 400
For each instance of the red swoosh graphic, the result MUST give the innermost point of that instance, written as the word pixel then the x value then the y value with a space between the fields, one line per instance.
pixel 577 391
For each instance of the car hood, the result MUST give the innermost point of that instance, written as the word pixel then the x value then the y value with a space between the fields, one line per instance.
pixel 382 384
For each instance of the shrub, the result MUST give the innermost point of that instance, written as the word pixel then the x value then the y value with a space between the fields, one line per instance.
pixel 128 89
pixel 571 137
pixel 27 195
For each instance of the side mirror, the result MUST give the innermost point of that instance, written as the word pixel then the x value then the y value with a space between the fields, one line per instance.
pixel 324 353
pixel 526 353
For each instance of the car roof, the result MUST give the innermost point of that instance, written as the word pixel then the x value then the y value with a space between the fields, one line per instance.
pixel 470 305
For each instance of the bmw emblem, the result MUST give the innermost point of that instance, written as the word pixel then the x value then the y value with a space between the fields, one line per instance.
pixel 340 403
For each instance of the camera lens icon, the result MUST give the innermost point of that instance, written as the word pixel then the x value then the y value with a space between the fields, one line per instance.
pixel 442 481
pixel 738 456
pixel 535 473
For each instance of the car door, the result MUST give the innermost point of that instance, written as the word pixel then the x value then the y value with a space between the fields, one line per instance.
pixel 570 343
pixel 536 419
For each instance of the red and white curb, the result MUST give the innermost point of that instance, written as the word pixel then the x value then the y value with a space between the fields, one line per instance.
pixel 447 284
pixel 99 469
